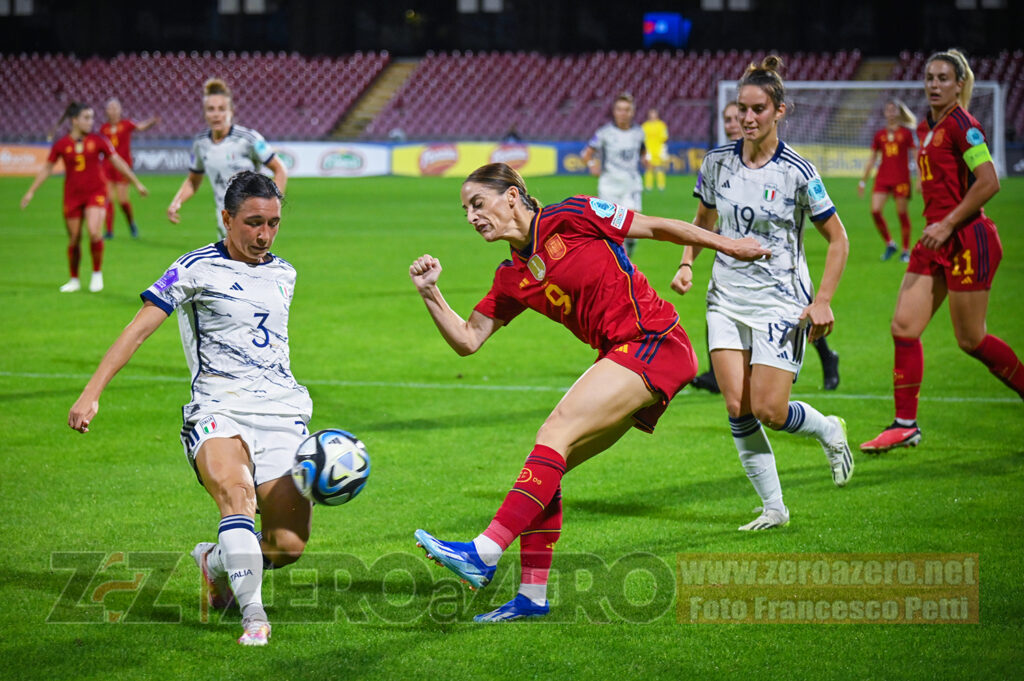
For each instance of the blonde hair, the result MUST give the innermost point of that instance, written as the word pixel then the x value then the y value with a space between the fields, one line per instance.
pixel 963 72
pixel 906 116
pixel 501 176
pixel 624 97
pixel 766 76
pixel 216 86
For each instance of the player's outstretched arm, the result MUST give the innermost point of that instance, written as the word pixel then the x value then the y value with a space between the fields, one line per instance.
pixel 465 337
pixel 40 177
pixel 685 234
pixel 88 403
pixel 126 170
pixel 682 282
pixel 185 192
pixel 819 312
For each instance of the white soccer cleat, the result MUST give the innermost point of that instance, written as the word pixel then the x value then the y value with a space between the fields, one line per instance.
pixel 218 589
pixel 96 282
pixel 73 285
pixel 257 633
pixel 767 520
pixel 838 452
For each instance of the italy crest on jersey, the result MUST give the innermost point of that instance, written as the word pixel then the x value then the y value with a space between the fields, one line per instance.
pixel 770 192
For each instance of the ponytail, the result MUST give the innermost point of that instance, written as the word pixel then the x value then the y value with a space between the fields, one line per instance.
pixel 72 111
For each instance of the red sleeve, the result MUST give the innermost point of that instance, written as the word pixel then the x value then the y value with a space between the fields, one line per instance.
pixel 967 134
pixel 54 153
pixel 603 219
pixel 130 125
pixel 497 304
pixel 105 146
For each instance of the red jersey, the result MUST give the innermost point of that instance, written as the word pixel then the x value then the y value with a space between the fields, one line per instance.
pixel 120 136
pixel 575 271
pixel 82 163
pixel 894 146
pixel 945 177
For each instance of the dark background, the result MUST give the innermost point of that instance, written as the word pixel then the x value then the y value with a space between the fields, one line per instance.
pixel 412 27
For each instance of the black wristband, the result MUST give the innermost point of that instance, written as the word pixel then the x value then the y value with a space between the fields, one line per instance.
pixel 685 264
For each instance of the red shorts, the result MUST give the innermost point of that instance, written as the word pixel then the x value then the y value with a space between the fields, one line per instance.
pixel 967 261
pixel 113 175
pixel 900 190
pixel 666 363
pixel 74 206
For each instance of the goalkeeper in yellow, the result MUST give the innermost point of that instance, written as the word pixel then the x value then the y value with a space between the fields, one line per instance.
pixel 655 139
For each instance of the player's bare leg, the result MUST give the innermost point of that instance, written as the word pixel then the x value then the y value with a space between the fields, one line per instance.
pixel 877 205
pixel 285 521
pixel 94 216
pixel 226 470
pixel 920 296
pixel 73 225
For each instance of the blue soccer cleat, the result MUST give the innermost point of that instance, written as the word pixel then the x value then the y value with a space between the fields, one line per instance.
pixel 890 250
pixel 518 608
pixel 459 557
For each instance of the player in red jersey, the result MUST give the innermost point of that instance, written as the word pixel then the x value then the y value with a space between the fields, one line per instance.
pixel 959 252
pixel 119 131
pixel 894 143
pixel 568 263
pixel 85 189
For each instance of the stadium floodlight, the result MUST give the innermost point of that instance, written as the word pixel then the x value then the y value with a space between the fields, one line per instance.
pixel 831 123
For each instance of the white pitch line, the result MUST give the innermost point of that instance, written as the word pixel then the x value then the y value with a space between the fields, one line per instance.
pixel 499 388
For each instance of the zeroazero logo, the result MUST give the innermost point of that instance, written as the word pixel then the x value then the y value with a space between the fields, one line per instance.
pixel 344 161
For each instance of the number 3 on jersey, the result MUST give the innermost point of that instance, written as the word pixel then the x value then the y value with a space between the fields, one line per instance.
pixel 262 316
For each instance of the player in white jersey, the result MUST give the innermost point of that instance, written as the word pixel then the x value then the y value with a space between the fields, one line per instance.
pixel 760 314
pixel 247 414
pixel 223 150
pixel 620 148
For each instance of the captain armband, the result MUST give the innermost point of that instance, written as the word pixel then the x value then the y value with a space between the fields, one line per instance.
pixel 977 155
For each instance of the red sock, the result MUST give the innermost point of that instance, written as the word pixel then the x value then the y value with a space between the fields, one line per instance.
pixel 1001 361
pixel 534 489
pixel 110 217
pixel 74 257
pixel 906 376
pixel 127 208
pixel 537 542
pixel 883 228
pixel 905 230
pixel 96 249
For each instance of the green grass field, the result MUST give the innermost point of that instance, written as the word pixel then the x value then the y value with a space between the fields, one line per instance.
pixel 96 578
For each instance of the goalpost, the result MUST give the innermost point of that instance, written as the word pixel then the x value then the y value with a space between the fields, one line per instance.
pixel 831 123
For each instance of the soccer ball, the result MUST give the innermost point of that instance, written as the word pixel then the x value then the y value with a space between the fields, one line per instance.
pixel 331 467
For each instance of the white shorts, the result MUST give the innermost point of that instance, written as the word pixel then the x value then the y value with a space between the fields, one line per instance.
pixel 781 346
pixel 271 440
pixel 628 196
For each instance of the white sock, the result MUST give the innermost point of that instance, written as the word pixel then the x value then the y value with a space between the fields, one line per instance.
pixel 488 550
pixel 907 423
pixel 538 593
pixel 243 561
pixel 758 460
pixel 803 419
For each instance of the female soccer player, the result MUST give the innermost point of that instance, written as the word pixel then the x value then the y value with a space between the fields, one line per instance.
pixel 684 275
pixel 247 415
pixel 894 142
pixel 223 149
pixel 655 140
pixel 620 145
pixel 567 262
pixel 759 314
pixel 119 131
pixel 958 253
pixel 85 189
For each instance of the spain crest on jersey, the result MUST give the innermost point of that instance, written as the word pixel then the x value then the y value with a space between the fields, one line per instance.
pixel 555 247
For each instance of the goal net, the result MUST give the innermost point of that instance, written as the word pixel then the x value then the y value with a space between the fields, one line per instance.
pixel 831 124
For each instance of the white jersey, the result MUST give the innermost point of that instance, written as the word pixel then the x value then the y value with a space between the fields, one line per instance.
pixel 242 149
pixel 621 151
pixel 233 318
pixel 771 204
